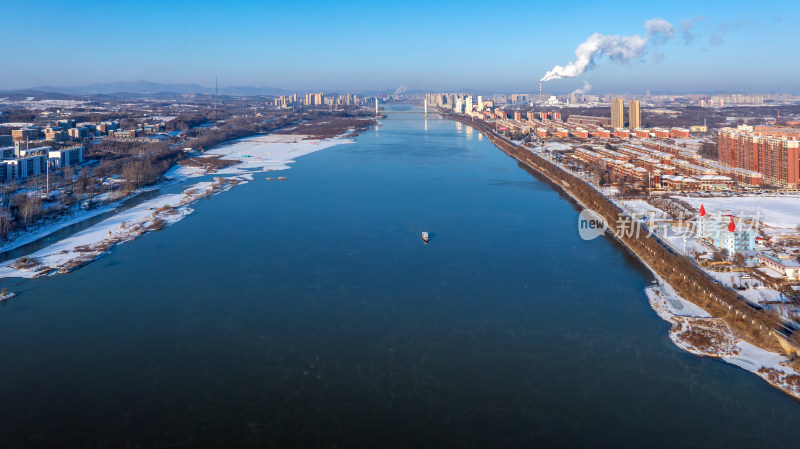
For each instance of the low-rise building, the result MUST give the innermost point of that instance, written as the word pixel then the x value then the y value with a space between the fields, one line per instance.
pixel 783 264
pixel 601 133
pixel 120 134
pixel 28 166
pixel 67 156
pixel 31 133
pixel 7 153
pixel 580 133
pixel 79 133
pixel 722 231
pixel 622 133
pixel 55 135
pixel 661 133
pixel 679 133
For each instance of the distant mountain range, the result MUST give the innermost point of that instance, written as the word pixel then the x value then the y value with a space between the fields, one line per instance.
pixel 147 88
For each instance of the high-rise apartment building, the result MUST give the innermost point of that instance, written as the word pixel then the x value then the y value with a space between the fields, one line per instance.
pixel 314 99
pixel 617 113
pixel 777 158
pixel 634 114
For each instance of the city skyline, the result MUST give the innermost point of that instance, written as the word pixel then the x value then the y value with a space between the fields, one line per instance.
pixel 361 47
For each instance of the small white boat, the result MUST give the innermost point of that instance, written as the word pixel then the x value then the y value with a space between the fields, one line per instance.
pixel 425 237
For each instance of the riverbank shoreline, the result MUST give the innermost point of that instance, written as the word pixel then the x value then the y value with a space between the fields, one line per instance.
pixel 788 382
pixel 250 155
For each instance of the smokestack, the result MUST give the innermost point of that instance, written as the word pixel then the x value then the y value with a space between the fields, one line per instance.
pixel 540 91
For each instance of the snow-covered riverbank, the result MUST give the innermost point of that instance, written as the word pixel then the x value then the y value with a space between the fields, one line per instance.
pixel 255 154
pixel 695 331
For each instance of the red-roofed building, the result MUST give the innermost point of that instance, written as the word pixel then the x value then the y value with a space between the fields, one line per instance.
pixel 622 133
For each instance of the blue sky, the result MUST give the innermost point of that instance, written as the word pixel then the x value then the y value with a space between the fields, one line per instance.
pixel 493 46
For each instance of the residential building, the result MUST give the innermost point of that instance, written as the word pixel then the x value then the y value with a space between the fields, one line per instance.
pixel 679 133
pixel 634 114
pixel 617 113
pixel 622 133
pixel 777 158
pixel 772 131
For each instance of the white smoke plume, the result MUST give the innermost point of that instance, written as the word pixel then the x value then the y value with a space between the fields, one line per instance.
pixel 659 30
pixel 687 28
pixel 582 90
pixel 618 48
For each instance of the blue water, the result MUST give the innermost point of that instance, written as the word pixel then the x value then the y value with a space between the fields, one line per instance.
pixel 308 313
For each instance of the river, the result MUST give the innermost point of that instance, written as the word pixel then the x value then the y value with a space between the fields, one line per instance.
pixel 309 313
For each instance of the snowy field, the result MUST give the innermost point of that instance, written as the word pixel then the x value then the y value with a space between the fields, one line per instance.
pixel 557 146
pixel 270 152
pixel 641 208
pixel 686 245
pixel 776 211
pixel 261 154
pixel 755 295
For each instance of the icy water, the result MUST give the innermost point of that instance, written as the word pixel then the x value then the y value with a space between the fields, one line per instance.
pixel 308 313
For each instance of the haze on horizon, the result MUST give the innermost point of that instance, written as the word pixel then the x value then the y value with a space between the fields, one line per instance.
pixel 358 46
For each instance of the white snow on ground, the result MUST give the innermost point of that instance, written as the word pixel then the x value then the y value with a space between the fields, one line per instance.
pixel 38 232
pixel 557 146
pixel 609 192
pixel 754 295
pixel 16 124
pixel 642 208
pixel 270 152
pixel 63 251
pixel 776 211
pixel 685 245
pixel 258 154
pixel 684 315
pixel 752 358
pixel 673 303
pixel 163 118
pixel 182 172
